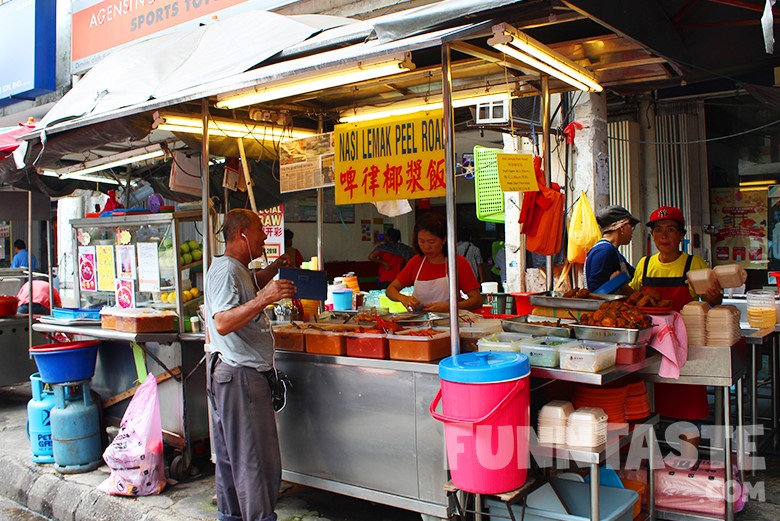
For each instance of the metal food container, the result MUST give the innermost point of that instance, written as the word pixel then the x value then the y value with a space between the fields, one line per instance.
pixel 552 299
pixel 524 325
pixel 613 334
pixel 423 319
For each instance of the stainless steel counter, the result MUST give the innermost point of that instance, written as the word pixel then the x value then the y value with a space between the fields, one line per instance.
pixel 604 377
pixel 17 365
pixel 106 334
pixel 361 427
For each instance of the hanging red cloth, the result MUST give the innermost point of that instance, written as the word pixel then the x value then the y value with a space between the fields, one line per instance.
pixel 541 215
pixel 571 130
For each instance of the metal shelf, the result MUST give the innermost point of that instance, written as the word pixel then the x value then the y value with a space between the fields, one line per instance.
pixel 681 515
pixel 595 455
pixel 604 377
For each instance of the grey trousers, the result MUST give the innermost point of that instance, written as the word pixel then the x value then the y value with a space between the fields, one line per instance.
pixel 249 466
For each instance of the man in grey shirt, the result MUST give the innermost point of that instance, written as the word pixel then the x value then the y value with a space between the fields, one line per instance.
pixel 248 467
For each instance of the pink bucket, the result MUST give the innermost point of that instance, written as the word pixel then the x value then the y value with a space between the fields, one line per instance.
pixel 486 423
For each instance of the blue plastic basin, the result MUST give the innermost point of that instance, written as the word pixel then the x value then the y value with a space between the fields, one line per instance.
pixel 66 362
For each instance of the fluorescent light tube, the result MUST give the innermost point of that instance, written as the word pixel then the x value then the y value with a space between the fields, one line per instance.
pixel 317 80
pixel 94 178
pixel 463 98
pixel 522 47
pixel 234 128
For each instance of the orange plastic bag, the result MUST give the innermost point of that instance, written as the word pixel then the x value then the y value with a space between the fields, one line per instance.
pixel 584 230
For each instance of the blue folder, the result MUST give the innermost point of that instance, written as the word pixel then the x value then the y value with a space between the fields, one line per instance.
pixel 309 284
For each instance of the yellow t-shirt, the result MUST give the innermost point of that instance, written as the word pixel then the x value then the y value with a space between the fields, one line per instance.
pixel 657 268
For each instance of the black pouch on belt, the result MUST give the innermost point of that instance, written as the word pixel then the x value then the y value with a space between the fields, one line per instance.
pixel 279 383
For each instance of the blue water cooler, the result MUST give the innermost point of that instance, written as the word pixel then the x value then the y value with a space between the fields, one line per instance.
pixel 38 420
pixel 75 429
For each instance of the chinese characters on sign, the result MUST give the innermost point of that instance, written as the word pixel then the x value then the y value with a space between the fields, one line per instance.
pixel 741 221
pixel 390 159
pixel 273 226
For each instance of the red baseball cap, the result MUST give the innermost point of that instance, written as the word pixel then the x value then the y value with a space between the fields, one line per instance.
pixel 667 212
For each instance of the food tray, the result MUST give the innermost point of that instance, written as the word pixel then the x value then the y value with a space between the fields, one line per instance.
pixel 471 333
pixel 550 300
pixel 325 342
pixel 289 338
pixel 367 345
pixel 525 324
pixel 587 356
pixel 156 323
pixel 423 319
pixel 613 334
pixel 630 354
pixel 405 346
pixel 502 342
pixel 542 351
pixel 74 313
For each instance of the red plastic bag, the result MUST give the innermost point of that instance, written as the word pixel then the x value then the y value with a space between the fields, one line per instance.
pixel 135 457
pixel 541 215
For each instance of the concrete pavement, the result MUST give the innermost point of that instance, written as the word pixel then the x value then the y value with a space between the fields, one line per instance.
pixel 30 492
pixel 34 492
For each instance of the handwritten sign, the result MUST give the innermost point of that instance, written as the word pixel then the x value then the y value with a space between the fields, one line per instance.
pixel 105 267
pixel 390 159
pixel 516 173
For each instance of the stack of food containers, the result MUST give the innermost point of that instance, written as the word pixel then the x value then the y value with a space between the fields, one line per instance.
pixel 723 328
pixel 694 315
pixel 587 427
pixel 553 421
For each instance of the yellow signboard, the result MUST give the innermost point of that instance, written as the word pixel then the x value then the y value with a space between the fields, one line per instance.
pixel 389 159
pixel 516 173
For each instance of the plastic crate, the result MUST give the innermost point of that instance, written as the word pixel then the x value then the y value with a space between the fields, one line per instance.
pixel 615 504
pixel 489 196
pixel 76 313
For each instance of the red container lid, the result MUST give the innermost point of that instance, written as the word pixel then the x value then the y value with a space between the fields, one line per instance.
pixel 63 346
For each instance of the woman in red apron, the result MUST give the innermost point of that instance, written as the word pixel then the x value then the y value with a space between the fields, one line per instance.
pixel 427 272
pixel 665 273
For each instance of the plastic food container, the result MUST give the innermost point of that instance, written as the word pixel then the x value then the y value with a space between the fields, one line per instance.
pixel 410 345
pixel 325 342
pixel 144 321
pixel 501 342
pixel 587 356
pixel 75 313
pixel 289 338
pixel 730 275
pixel 761 308
pixel 542 351
pixel 108 318
pixel 367 345
pixel 702 280
pixel 470 334
pixel 630 353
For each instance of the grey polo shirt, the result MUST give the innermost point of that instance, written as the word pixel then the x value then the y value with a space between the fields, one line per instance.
pixel 228 285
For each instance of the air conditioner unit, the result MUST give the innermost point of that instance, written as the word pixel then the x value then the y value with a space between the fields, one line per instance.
pixel 493 112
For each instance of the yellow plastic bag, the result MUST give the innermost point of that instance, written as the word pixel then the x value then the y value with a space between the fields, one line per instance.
pixel 584 230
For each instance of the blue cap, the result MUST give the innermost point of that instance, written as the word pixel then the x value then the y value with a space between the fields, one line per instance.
pixel 484 367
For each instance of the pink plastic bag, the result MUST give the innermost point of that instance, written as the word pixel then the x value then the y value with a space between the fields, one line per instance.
pixel 135 457
pixel 697 486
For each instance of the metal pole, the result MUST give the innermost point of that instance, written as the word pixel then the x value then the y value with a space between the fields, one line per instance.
pixel 48 263
pixel 29 269
pixel 320 208
pixel 546 156
pixel 448 125
pixel 204 168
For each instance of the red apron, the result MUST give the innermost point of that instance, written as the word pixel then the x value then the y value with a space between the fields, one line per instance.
pixel 686 402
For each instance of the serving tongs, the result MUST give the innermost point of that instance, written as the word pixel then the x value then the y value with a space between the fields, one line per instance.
pixel 388 326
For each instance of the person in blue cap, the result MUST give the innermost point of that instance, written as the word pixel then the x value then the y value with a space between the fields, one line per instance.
pixel 604 260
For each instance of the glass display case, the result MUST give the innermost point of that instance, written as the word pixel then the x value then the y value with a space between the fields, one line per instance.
pixel 149 260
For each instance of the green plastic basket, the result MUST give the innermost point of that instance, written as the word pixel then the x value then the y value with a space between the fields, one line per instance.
pixel 490 197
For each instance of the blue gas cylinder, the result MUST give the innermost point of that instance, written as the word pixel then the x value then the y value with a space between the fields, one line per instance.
pixel 38 424
pixel 75 429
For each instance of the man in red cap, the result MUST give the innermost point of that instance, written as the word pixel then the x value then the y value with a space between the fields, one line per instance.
pixel 666 273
